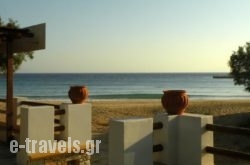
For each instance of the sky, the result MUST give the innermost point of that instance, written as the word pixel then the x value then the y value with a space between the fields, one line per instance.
pixel 89 36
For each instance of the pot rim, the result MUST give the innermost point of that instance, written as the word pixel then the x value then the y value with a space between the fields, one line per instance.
pixel 78 86
pixel 175 91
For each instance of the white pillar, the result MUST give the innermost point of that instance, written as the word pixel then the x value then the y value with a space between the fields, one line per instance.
pixel 167 137
pixel 184 139
pixel 37 123
pixel 130 141
pixel 17 113
pixel 193 138
pixel 77 121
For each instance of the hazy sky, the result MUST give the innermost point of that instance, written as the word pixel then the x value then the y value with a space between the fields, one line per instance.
pixel 133 35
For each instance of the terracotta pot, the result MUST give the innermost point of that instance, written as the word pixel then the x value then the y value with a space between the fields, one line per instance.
pixel 78 94
pixel 174 101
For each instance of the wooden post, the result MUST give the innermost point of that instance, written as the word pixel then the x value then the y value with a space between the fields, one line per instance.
pixel 9 107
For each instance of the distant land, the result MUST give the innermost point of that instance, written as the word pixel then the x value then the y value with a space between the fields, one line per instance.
pixel 223 76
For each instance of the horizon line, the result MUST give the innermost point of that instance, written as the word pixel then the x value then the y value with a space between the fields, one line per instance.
pixel 114 72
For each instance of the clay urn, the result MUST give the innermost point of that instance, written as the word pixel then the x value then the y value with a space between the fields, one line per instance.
pixel 174 101
pixel 78 94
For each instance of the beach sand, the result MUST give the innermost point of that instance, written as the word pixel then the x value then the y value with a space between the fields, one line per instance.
pixel 226 112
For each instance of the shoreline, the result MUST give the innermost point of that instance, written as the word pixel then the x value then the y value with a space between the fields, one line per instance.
pixel 140 99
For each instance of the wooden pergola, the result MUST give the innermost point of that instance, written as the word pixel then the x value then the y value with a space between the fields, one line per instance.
pixel 13 40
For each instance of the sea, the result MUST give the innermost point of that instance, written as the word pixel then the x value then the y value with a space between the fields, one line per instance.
pixel 105 86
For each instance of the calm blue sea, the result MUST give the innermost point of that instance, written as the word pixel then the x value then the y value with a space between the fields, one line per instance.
pixel 123 85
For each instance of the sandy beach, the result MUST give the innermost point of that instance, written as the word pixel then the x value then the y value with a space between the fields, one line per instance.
pixel 226 112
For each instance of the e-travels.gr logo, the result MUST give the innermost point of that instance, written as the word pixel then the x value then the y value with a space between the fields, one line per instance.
pixel 52 146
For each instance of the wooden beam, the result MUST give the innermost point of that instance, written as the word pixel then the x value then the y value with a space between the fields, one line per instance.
pixel 227 152
pixel 59 128
pixel 32 103
pixel 40 156
pixel 157 125
pixel 228 129
pixel 59 112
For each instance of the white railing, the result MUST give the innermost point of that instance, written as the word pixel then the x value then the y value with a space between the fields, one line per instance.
pixel 179 140
pixel 38 123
